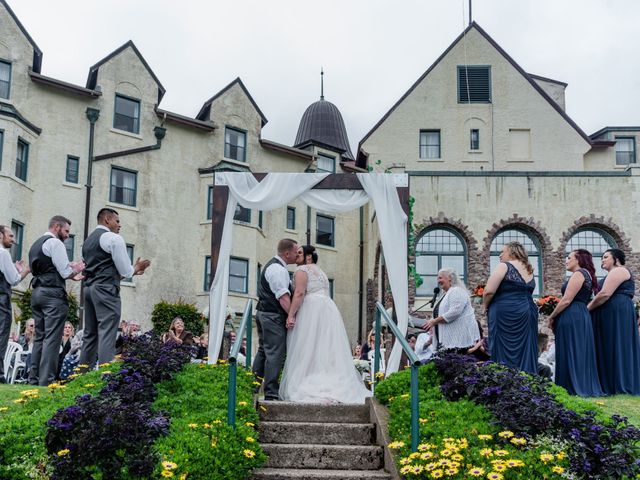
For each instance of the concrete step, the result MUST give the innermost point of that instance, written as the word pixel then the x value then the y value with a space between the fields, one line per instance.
pixel 317 433
pixel 309 474
pixel 330 457
pixel 310 412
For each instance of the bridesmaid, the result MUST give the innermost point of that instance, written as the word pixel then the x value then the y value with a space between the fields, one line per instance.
pixel 513 316
pixel 615 329
pixel 576 368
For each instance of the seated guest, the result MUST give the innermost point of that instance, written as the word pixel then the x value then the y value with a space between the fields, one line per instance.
pixel 27 337
pixel 203 344
pixel 123 331
pixel 424 347
pixel 455 326
pixel 366 351
pixel 481 349
pixel 177 333
pixel 404 359
pixel 134 328
pixel 72 358
pixel 65 344
pixel 357 351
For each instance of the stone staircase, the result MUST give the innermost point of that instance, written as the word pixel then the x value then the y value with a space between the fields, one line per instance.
pixel 309 441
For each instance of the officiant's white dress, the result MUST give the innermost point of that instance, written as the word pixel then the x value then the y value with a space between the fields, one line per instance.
pixel 319 366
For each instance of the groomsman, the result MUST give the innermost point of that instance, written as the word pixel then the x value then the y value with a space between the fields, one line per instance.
pixel 10 275
pixel 105 253
pixel 51 268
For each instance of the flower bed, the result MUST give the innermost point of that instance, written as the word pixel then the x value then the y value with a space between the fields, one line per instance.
pixel 492 422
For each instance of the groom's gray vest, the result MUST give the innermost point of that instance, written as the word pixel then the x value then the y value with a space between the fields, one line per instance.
pixel 267 301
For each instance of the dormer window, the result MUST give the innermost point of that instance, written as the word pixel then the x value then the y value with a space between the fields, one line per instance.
pixel 326 163
pixel 5 79
pixel 235 144
pixel 127 114
pixel 625 150
pixel 474 84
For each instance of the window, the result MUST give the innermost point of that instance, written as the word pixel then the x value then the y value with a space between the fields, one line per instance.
pixel 207 273
pixel 474 84
pixel 325 230
pixel 436 249
pixel 5 79
pixel 69 245
pixel 429 144
pixel 594 240
pixel 529 244
pixel 210 202
pixel 130 255
pixel 625 150
pixel 127 114
pixel 16 248
pixel 474 139
pixel 326 163
pixel 242 214
pixel 22 160
pixel 291 218
pixel 331 288
pixel 1 145
pixel 235 144
pixel 73 164
pixel 238 275
pixel 123 186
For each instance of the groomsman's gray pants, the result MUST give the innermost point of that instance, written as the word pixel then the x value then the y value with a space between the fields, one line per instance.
pixel 49 307
pixel 5 328
pixel 272 347
pixel 102 308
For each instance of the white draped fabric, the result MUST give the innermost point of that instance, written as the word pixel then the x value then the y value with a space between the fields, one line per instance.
pixel 277 190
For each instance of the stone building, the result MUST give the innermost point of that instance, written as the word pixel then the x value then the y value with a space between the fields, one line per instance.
pixel 492 157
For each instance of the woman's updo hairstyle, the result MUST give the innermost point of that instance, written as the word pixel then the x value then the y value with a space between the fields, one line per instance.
pixel 310 250
pixel 618 256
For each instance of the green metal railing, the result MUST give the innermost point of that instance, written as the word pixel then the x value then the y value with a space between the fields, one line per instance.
pixel 245 326
pixel 413 360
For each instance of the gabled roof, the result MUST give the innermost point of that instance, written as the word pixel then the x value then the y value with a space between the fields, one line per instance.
pixel 64 86
pixel 546 79
pixel 93 71
pixel 506 56
pixel 206 108
pixel 37 53
pixel 614 129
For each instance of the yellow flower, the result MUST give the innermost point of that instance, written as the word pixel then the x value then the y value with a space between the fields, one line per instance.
pixel 430 466
pixel 599 402
pixel 249 453
pixel 406 469
pixel 103 365
pixel 485 437
pixel 263 408
pixel 506 434
pixel 218 422
pixel 222 361
pixel 20 400
pixel 557 470
pixel 250 439
pixel 446 453
pixel 501 453
pixel 242 404
pixel 486 452
pixel 518 441
pixel 394 445
pixel 451 471
pixel 257 384
pixel 193 425
pixel 53 386
pixel 183 476
pixel 248 424
pixel 546 457
pixel 106 372
pixel 423 420
pixel 202 365
pixel 405 461
pixel 494 476
pixel 89 385
pixel 512 463
pixel 476 472
pixel 167 473
pixel 414 455
pixel 499 467
pixel 404 395
pixel 457 457
pixel 561 456
pixel 29 393
pixel 206 425
pixel 82 365
pixel 4 409
pixel 444 462
pixel 169 465
pixel 426 456
pixel 416 469
pixel 214 442
pixel 380 375
pixel 63 452
pixel 437 474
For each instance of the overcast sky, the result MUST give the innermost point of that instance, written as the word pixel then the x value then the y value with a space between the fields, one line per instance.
pixel 371 50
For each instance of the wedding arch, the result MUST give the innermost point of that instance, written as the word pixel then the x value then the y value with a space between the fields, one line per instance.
pixel 332 193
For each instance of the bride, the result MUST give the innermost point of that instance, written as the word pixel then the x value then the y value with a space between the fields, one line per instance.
pixel 319 366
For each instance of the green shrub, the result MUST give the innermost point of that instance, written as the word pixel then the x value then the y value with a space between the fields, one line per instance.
pixel 199 442
pixel 164 313
pixel 23 302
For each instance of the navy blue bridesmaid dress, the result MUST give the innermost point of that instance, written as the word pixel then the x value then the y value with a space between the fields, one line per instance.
pixel 513 323
pixel 617 342
pixel 576 368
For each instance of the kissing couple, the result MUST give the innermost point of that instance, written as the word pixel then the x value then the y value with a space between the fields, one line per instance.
pixel 302 322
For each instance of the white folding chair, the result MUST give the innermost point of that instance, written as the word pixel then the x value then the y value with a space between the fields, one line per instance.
pixel 9 359
pixel 382 366
pixel 19 363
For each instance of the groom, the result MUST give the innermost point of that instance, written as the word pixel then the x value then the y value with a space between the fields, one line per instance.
pixel 274 300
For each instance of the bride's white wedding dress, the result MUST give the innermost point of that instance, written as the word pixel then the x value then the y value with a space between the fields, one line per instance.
pixel 319 367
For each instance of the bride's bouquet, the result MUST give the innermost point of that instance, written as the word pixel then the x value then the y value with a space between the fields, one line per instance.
pixel 546 305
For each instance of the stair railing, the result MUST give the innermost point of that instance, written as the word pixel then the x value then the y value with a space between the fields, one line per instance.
pixel 413 361
pixel 246 326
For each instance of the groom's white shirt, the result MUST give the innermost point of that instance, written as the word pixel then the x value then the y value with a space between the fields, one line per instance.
pixel 278 277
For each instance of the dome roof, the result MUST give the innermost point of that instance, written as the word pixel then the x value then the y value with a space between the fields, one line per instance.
pixel 322 124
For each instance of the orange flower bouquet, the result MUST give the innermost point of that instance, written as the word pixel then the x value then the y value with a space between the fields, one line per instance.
pixel 546 305
pixel 478 291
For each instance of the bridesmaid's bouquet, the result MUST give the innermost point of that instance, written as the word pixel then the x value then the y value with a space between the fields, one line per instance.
pixel 546 305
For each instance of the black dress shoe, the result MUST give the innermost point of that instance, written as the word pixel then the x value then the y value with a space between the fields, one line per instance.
pixel 3 380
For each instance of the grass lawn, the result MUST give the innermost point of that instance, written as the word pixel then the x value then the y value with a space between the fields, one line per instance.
pixel 625 405
pixel 9 393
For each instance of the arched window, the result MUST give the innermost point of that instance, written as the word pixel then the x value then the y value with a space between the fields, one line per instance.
pixel 529 244
pixel 596 241
pixel 435 249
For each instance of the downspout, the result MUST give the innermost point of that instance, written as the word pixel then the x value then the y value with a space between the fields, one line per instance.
pixel 159 132
pixel 361 276
pixel 308 225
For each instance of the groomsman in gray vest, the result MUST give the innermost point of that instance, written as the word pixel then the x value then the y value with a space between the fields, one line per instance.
pixel 51 268
pixel 10 275
pixel 274 300
pixel 105 254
